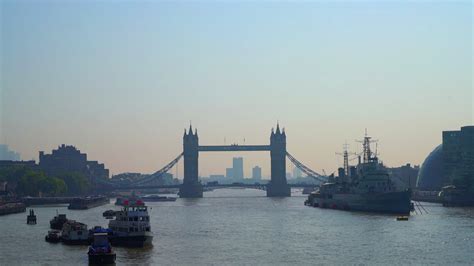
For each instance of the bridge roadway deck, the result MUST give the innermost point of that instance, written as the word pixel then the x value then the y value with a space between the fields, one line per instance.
pixel 234 148
pixel 214 185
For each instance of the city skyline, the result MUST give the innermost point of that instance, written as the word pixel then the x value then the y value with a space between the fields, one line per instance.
pixel 121 81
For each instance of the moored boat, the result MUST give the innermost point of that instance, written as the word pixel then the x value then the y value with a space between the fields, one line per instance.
pixel 12 207
pixel 157 198
pixel 88 202
pixel 131 226
pixel 53 236
pixel 75 233
pixel 58 221
pixel 368 188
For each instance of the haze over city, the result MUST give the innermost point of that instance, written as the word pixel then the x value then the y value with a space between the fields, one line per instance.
pixel 121 81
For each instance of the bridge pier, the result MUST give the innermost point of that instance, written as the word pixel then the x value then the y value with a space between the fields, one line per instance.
pixel 191 190
pixel 191 187
pixel 278 190
pixel 278 186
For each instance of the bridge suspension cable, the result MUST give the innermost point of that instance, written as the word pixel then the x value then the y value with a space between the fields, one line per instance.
pixel 158 173
pixel 307 170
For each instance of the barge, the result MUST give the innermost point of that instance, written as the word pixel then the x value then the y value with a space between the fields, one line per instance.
pixel 157 198
pixel 88 202
pixel 12 207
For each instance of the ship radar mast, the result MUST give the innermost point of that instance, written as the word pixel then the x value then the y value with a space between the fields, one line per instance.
pixel 345 155
pixel 367 152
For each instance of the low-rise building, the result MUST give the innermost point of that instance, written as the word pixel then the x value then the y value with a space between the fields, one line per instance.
pixel 67 159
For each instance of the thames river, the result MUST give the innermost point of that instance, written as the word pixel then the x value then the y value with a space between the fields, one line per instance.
pixel 243 227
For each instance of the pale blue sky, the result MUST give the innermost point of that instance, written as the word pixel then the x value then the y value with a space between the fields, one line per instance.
pixel 121 79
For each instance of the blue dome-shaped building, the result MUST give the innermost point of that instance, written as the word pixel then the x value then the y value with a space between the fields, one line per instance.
pixel 430 176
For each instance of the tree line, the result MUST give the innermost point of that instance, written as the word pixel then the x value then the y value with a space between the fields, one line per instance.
pixel 32 182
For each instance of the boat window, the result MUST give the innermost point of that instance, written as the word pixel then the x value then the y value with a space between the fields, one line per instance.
pixel 136 218
pixel 131 229
pixel 79 232
pixel 130 219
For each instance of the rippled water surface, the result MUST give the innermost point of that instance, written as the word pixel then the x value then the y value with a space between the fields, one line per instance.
pixel 242 226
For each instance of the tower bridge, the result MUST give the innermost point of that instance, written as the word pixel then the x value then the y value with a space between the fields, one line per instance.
pixel 277 187
pixel 192 187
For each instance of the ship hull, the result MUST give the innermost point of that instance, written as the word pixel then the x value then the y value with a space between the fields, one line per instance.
pixel 390 202
pixel 131 241
pixel 158 199
pixel 101 259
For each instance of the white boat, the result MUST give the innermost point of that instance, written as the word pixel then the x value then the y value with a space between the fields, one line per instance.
pixel 131 226
pixel 74 233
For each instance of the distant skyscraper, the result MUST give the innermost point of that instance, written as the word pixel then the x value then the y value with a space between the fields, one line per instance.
pixel 257 172
pixel 238 166
pixel 7 154
pixel 296 172
pixel 229 172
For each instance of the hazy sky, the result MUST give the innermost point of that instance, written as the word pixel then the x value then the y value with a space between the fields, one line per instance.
pixel 121 79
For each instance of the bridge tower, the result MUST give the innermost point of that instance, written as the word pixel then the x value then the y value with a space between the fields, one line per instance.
pixel 278 186
pixel 191 187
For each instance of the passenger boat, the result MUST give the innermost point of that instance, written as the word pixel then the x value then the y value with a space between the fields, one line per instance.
pixel 75 233
pixel 58 221
pixel 100 251
pixel 131 226
pixel 53 236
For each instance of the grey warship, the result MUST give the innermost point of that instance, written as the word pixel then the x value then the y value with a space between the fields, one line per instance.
pixel 367 188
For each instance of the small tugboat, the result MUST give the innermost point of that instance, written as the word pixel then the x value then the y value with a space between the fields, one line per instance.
pixel 75 233
pixel 58 221
pixel 53 236
pixel 131 226
pixel 100 252
pixel 31 218
pixel 157 198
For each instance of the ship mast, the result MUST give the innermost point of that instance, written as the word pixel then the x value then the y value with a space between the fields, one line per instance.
pixel 345 155
pixel 346 160
pixel 367 153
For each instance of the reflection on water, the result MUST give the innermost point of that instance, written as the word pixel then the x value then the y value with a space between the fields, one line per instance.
pixel 242 226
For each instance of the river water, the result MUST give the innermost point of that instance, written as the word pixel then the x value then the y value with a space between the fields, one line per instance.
pixel 243 227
